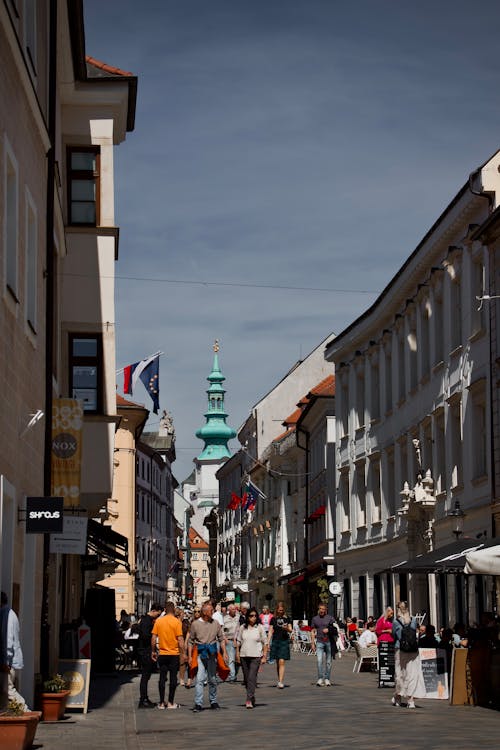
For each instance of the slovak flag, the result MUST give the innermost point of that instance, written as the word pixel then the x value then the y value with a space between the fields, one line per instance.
pixel 148 371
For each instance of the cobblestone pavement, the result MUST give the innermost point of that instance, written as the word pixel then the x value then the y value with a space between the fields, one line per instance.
pixel 352 712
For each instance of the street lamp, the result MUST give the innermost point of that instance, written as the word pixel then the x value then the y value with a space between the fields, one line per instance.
pixel 458 520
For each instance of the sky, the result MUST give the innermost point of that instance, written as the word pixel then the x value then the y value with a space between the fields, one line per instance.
pixel 287 157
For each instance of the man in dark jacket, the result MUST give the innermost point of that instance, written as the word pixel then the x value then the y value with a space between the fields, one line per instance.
pixel 144 652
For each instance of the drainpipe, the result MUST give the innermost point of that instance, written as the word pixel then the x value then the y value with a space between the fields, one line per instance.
pixel 49 321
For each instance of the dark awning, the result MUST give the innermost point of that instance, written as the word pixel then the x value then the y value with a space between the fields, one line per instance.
pixel 292 577
pixel 316 514
pixel 107 543
pixel 447 559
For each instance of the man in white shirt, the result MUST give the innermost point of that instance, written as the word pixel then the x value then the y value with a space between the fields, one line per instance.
pixel 14 655
pixel 231 627
pixel 368 637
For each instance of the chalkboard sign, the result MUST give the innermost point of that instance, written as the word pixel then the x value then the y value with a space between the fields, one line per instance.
pixel 76 672
pixel 433 663
pixel 386 668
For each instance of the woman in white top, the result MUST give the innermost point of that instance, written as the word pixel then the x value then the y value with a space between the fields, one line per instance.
pixel 251 651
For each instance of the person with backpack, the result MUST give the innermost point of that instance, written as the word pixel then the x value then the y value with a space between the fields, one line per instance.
pixel 409 677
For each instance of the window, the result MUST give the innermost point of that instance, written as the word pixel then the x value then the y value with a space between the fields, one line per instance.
pixel 439 438
pixel 401 365
pixel 360 397
pixel 390 486
pixel 83 186
pixel 376 511
pixel 455 304
pixel 478 309
pixel 455 422
pixel 11 215
pixel 344 403
pixel 86 370
pixel 375 391
pixel 31 262
pixel 204 556
pixel 437 310
pixel 194 555
pixel 344 502
pixel 388 377
pixel 412 347
pixel 204 573
pixel 425 338
pixel 361 496
pixel 479 428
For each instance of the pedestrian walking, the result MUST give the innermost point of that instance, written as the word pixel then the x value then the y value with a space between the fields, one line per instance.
pixel 323 640
pixel 146 663
pixel 9 628
pixel 231 626
pixel 251 652
pixel 279 636
pixel 167 631
pixel 206 633
pixel 409 677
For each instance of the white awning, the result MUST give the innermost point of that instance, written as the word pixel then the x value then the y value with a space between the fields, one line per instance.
pixel 483 561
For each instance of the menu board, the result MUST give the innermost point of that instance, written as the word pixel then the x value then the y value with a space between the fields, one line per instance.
pixel 386 667
pixel 433 663
pixel 76 672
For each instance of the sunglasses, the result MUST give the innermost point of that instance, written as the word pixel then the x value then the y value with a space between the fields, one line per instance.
pixel 252 615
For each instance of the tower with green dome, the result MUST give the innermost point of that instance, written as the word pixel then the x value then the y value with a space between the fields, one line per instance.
pixel 215 433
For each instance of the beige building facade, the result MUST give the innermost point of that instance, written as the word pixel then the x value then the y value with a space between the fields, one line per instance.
pixel 61 115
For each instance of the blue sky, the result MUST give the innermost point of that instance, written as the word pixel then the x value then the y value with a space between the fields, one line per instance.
pixel 281 143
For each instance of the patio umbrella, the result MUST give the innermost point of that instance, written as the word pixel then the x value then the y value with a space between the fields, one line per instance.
pixel 484 561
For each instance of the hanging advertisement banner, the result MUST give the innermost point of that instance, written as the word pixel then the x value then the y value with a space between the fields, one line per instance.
pixel 66 455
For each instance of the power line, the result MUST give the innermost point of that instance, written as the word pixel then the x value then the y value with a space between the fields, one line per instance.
pixel 238 284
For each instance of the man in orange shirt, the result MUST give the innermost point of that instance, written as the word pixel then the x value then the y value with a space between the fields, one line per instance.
pixel 167 631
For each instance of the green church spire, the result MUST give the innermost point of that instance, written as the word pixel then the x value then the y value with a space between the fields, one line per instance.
pixel 215 433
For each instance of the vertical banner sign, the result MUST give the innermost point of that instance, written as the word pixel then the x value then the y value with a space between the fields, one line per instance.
pixel 67 422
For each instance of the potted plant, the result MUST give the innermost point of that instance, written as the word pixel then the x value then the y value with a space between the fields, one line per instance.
pixel 18 727
pixel 54 696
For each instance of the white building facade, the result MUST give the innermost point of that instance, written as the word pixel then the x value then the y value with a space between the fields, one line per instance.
pixel 413 395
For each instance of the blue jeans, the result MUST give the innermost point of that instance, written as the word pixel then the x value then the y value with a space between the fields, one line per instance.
pixel 324 654
pixel 231 652
pixel 207 670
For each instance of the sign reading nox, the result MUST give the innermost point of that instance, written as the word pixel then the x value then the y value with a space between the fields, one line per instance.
pixel 67 422
pixel 44 515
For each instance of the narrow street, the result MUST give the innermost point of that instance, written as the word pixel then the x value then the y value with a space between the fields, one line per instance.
pixel 351 712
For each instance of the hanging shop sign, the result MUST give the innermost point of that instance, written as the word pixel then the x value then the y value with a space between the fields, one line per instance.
pixel 44 515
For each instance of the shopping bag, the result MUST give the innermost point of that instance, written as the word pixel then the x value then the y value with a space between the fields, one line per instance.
pixel 193 664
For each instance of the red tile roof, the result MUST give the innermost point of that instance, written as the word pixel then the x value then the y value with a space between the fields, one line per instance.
pixel 292 419
pixel 107 68
pixel 120 401
pixel 284 434
pixel 193 534
pixel 325 388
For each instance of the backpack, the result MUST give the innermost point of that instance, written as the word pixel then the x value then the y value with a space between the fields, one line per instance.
pixel 408 639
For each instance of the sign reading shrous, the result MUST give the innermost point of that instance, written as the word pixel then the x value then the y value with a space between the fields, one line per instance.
pixel 44 515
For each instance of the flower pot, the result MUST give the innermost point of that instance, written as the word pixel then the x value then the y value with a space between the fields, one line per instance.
pixel 18 732
pixel 53 705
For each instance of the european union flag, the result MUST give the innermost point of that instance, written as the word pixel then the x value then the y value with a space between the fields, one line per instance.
pixel 150 378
